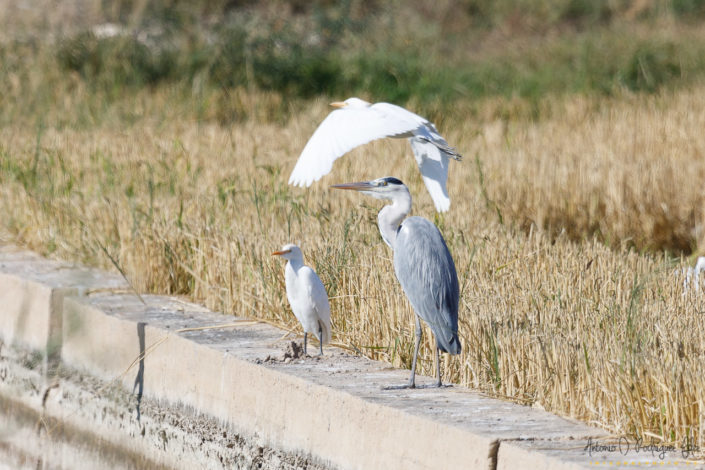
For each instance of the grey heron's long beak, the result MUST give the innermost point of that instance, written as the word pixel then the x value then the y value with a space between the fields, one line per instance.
pixel 279 253
pixel 339 104
pixel 361 186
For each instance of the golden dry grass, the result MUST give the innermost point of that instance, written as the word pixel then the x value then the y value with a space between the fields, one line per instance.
pixel 628 171
pixel 549 318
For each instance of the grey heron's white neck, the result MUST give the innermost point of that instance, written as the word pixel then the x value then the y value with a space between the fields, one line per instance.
pixel 392 215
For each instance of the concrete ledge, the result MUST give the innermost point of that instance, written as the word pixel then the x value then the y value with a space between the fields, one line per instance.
pixel 80 422
pixel 573 455
pixel 214 371
pixel 331 408
pixel 32 290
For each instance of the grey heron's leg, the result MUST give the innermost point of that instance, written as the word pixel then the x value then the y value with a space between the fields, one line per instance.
pixel 438 366
pixel 305 339
pixel 320 338
pixel 412 378
pixel 419 332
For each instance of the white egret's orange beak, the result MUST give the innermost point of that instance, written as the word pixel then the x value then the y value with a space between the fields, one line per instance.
pixel 279 253
pixel 339 104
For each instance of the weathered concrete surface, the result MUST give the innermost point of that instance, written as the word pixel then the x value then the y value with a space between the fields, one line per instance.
pixel 32 290
pixel 333 407
pixel 80 422
pixel 574 454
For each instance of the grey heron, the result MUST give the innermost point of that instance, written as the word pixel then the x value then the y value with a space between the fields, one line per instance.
pixel 358 122
pixel 307 296
pixel 422 263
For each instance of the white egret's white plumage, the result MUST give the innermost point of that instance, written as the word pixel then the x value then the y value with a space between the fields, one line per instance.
pixel 358 122
pixel 307 295
pixel 422 263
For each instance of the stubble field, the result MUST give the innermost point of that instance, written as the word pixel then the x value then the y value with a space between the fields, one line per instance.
pixel 566 230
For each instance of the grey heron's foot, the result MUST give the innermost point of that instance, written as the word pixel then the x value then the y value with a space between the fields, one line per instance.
pixel 399 387
pixel 410 386
pixel 434 385
pixel 418 387
pixel 441 385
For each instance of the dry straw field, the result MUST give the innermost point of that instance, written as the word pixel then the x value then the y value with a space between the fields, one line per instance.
pixel 566 231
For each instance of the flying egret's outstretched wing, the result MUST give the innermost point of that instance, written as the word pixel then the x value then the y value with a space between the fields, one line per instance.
pixel 433 165
pixel 432 154
pixel 426 272
pixel 343 130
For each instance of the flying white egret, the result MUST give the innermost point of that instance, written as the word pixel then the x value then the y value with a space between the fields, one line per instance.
pixel 422 263
pixel 358 122
pixel 307 296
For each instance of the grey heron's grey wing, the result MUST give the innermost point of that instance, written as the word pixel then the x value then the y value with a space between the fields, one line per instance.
pixel 426 272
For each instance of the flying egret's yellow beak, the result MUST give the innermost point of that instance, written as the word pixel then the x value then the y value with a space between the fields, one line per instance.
pixel 279 253
pixel 339 104
pixel 361 186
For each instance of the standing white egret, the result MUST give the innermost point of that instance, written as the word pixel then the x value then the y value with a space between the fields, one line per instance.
pixel 307 296
pixel 422 263
pixel 358 122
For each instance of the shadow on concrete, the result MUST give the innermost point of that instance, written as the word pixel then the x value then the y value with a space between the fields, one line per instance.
pixel 139 380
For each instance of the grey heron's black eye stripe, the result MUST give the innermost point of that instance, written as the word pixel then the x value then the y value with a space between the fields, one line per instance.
pixel 391 179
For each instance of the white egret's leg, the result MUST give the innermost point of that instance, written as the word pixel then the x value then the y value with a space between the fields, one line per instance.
pixel 320 338
pixel 305 339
